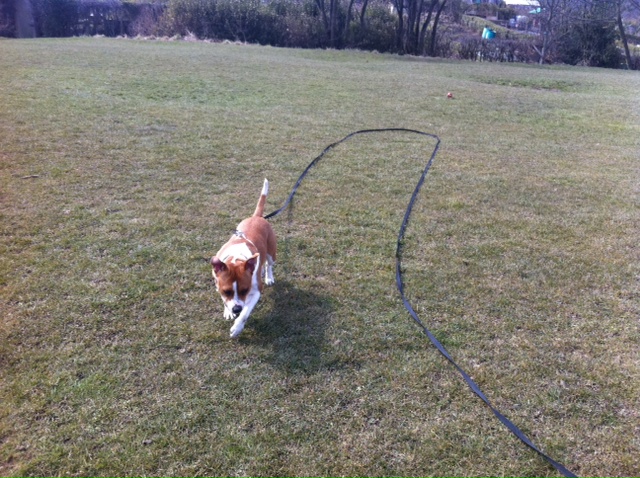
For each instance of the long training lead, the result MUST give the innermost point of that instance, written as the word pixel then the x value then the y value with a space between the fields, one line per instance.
pixel 400 283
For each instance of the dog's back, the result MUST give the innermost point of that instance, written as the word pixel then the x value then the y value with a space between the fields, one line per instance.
pixel 258 230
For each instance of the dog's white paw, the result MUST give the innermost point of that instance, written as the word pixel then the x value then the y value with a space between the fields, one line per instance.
pixel 228 315
pixel 268 275
pixel 235 330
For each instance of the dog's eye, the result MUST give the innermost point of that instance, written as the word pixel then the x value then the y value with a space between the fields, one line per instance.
pixel 228 293
pixel 243 292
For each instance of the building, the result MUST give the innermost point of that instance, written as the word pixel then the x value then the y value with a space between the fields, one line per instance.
pixel 523 7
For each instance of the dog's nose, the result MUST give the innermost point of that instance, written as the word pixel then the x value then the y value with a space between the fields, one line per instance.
pixel 236 309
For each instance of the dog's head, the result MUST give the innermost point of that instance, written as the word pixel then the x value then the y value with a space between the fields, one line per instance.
pixel 235 279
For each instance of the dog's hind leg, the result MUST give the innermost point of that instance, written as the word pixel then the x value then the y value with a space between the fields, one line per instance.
pixel 268 271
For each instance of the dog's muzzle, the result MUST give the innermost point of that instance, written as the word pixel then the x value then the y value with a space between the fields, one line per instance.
pixel 236 310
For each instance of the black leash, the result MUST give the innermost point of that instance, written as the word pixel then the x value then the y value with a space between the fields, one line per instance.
pixel 400 283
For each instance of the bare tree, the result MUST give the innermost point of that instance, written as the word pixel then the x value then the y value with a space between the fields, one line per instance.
pixel 623 6
pixel 329 11
pixel 414 18
pixel 561 19
pixel 348 22
pixel 363 11
pixel 399 7
pixel 421 32
pixel 552 13
pixel 434 29
pixel 7 19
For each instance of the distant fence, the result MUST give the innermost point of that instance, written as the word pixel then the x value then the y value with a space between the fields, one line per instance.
pixel 473 47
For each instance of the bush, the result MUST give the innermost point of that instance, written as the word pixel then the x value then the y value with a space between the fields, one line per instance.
pixel 7 14
pixel 501 50
pixel 378 32
pixel 635 62
pixel 304 28
pixel 148 19
pixel 279 23
pixel 197 17
pixel 241 20
pixel 63 18
pixel 56 18
pixel 591 43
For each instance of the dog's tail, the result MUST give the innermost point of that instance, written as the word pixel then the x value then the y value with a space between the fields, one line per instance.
pixel 263 199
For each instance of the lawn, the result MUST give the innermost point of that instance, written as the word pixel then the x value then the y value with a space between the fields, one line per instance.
pixel 125 164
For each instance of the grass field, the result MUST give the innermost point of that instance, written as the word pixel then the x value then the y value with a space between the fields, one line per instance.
pixel 124 165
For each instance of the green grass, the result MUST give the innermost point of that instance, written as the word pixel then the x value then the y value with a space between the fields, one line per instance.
pixel 125 164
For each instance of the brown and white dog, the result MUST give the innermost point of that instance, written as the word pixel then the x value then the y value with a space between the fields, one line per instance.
pixel 239 264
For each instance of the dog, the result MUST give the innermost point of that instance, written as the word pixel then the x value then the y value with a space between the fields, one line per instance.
pixel 239 265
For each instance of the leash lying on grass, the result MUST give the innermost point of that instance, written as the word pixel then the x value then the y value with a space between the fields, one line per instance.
pixel 400 283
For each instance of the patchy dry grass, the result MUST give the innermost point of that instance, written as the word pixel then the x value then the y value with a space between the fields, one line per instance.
pixel 125 164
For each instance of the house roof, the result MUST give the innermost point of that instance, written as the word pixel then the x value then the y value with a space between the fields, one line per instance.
pixel 523 3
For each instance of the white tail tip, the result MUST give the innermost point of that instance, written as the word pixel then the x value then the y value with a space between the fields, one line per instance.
pixel 265 188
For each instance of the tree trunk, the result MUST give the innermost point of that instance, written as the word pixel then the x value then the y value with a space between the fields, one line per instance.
pixel 362 14
pixel 332 21
pixel 25 24
pixel 423 32
pixel 623 35
pixel 325 20
pixel 542 51
pixel 434 29
pixel 414 27
pixel 347 26
pixel 399 6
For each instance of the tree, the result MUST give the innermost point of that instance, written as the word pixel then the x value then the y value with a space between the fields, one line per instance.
pixel 414 17
pixel 581 31
pixel 330 9
pixel 584 32
pixel 552 17
pixel 399 8
pixel 376 29
pixel 434 29
pixel 7 19
pixel 350 16
pixel 363 14
pixel 57 18
pixel 622 7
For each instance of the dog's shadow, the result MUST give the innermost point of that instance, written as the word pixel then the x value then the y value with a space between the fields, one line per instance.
pixel 292 325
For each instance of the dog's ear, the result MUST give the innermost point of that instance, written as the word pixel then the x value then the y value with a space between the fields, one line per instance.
pixel 218 265
pixel 252 263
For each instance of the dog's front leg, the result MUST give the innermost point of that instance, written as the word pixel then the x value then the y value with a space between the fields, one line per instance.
pixel 239 323
pixel 228 315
